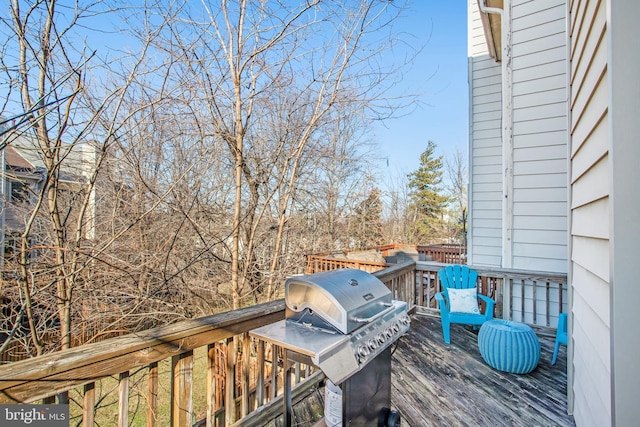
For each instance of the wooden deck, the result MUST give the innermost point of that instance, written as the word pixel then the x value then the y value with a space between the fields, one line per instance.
pixel 434 384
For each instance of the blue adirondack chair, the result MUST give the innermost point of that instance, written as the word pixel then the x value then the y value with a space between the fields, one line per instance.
pixel 561 335
pixel 460 277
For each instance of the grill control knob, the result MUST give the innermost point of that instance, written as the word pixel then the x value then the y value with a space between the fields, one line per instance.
pixel 395 328
pixel 363 351
pixel 388 333
pixel 372 344
pixel 380 339
pixel 405 320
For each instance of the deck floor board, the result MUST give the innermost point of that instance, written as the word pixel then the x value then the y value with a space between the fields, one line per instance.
pixel 434 384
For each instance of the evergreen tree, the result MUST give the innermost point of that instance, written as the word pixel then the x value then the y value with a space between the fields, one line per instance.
pixel 428 201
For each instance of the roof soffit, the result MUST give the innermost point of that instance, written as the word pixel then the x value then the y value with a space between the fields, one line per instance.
pixel 492 23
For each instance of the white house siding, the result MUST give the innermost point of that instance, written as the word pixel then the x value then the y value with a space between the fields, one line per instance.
pixel 624 151
pixel 539 119
pixel 539 236
pixel 485 157
pixel 590 213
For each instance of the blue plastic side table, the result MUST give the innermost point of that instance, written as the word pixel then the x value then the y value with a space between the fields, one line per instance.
pixel 509 346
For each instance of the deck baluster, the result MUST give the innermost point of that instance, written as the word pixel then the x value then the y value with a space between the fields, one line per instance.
pixel 230 380
pixel 261 373
pixel 152 409
pixel 182 408
pixel 246 343
pixel 89 402
pixel 123 400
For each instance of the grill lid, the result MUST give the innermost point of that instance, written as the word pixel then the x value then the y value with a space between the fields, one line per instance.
pixel 342 299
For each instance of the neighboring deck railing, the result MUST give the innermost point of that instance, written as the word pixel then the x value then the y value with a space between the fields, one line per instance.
pixel 447 253
pixel 255 397
pixel 317 263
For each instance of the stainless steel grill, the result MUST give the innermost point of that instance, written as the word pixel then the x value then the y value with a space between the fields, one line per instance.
pixel 343 321
pixel 343 298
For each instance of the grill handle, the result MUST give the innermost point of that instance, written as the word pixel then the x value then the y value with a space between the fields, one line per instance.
pixel 389 308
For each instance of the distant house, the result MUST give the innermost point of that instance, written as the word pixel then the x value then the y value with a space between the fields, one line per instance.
pixel 554 177
pixel 23 174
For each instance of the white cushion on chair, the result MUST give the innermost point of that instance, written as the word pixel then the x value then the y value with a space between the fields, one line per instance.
pixel 463 300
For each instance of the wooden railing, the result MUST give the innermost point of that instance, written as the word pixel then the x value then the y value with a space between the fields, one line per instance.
pixel 255 368
pixel 401 280
pixel 446 253
pixel 83 366
pixel 318 263
pixel 526 296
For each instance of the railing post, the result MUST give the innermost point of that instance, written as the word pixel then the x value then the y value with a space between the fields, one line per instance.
pixel 220 375
pixel 548 305
pixel 420 277
pixel 211 385
pixel 523 299
pixel 260 381
pixel 181 396
pixel 286 379
pixel 436 289
pixel 152 408
pixel 274 371
pixel 88 405
pixel 506 297
pixel 246 350
pixel 535 303
pixel 230 383
pixel 123 400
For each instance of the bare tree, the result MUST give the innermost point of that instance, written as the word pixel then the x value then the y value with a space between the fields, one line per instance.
pixel 67 133
pixel 309 62
pixel 49 80
pixel 336 181
pixel 457 188
pixel 200 147
pixel 367 222
pixel 396 209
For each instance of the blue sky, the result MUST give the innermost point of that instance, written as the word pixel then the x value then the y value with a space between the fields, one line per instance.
pixel 440 75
